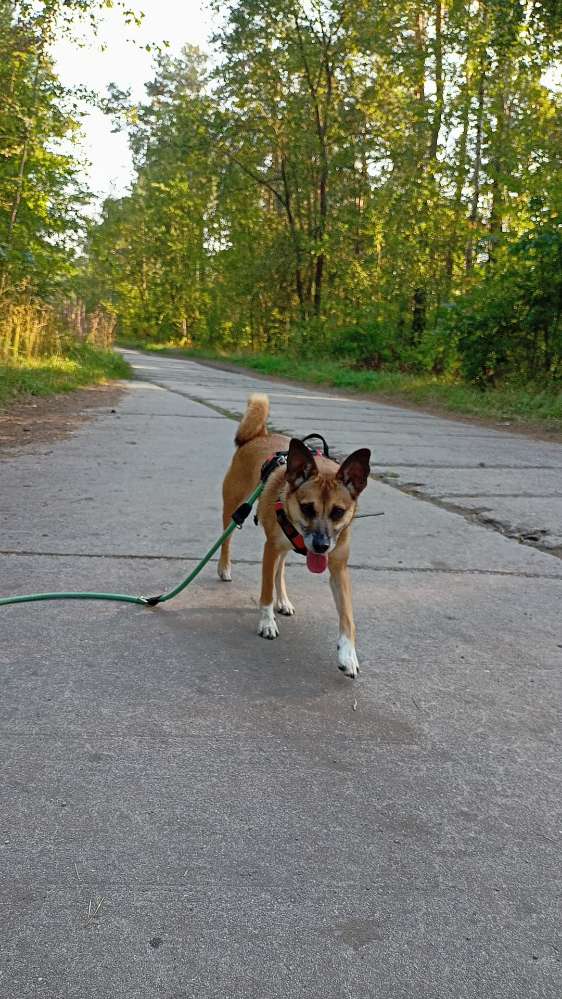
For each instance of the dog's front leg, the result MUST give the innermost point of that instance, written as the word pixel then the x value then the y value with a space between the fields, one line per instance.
pixel 341 589
pixel 267 626
pixel 282 602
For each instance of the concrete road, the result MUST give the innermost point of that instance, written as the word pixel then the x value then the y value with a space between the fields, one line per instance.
pixel 189 811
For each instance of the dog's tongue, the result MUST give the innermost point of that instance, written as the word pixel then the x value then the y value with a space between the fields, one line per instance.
pixel 316 563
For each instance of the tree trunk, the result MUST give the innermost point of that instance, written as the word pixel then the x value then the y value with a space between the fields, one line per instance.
pixel 475 200
pixel 319 267
pixel 295 240
pixel 45 35
pixel 418 314
pixel 318 276
pixel 20 179
pixel 321 115
pixel 439 87
pixel 460 174
pixel 496 162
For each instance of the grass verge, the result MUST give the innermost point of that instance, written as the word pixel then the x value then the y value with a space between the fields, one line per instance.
pixel 535 406
pixel 82 365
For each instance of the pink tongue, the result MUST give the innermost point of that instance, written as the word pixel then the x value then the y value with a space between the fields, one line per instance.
pixel 316 563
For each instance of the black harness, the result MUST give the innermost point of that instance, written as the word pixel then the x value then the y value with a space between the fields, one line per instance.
pixel 276 461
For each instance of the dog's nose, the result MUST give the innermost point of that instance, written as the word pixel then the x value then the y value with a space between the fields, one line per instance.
pixel 320 544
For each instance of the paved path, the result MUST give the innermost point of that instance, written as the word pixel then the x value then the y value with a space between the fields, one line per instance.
pixel 190 812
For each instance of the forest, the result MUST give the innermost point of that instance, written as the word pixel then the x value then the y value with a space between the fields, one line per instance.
pixel 374 183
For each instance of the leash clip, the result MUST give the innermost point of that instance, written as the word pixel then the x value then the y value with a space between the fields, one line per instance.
pixel 240 514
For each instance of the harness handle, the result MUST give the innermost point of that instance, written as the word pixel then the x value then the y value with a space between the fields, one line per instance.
pixel 318 437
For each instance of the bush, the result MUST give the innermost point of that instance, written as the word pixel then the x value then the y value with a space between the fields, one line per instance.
pixel 370 345
pixel 81 364
pixel 34 329
pixel 510 324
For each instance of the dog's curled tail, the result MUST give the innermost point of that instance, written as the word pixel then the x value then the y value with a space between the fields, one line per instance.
pixel 254 421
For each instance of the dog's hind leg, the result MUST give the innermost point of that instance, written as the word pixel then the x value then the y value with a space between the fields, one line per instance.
pixel 224 568
pixel 231 500
pixel 282 603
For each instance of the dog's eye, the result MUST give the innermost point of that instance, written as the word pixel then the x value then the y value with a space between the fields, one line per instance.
pixel 307 510
pixel 337 512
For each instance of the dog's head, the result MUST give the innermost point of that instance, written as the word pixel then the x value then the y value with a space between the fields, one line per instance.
pixel 319 504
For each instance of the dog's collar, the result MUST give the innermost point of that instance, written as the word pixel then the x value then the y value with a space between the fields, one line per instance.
pixel 289 530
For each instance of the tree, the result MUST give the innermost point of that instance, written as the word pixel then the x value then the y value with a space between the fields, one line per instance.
pixel 41 199
pixel 348 166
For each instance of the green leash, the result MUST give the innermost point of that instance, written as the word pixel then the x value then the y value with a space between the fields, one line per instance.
pixel 238 518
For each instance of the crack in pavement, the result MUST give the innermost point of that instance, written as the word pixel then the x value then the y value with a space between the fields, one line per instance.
pixel 472 468
pixel 361 567
pixel 228 413
pixel 246 882
pixel 529 538
pixel 169 416
pixel 492 495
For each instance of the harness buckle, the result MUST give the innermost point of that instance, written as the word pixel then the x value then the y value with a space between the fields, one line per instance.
pixel 269 466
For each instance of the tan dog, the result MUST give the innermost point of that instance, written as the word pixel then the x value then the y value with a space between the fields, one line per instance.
pixel 319 500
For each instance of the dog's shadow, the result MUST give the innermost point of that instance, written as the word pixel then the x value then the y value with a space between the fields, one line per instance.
pixel 215 659
pixel 296 661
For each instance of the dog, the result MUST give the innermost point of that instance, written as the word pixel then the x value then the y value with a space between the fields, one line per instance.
pixel 312 497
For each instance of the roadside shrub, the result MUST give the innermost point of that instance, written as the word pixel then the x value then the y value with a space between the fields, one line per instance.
pixel 34 329
pixel 370 345
pixel 510 324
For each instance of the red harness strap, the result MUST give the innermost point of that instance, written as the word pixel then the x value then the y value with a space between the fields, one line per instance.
pixel 296 539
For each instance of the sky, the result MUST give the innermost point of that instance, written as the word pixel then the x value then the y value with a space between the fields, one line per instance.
pixel 129 65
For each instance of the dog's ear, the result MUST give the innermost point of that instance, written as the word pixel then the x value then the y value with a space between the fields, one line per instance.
pixel 300 464
pixel 354 471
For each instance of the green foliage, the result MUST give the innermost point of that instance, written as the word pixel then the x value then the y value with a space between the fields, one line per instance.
pixel 377 183
pixel 47 341
pixel 33 329
pixel 368 344
pixel 148 256
pixel 40 198
pixel 510 323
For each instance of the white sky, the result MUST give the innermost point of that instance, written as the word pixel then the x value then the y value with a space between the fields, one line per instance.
pixel 128 65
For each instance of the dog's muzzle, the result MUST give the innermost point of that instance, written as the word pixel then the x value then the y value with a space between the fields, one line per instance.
pixel 320 542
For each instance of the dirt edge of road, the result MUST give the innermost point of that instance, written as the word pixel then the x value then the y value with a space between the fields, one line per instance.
pixel 42 419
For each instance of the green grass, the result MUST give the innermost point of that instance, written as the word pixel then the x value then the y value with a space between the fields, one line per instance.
pixel 534 405
pixel 83 365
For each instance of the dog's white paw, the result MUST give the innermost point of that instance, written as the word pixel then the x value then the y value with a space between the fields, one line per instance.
pixel 347 656
pixel 225 573
pixel 267 626
pixel 285 607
